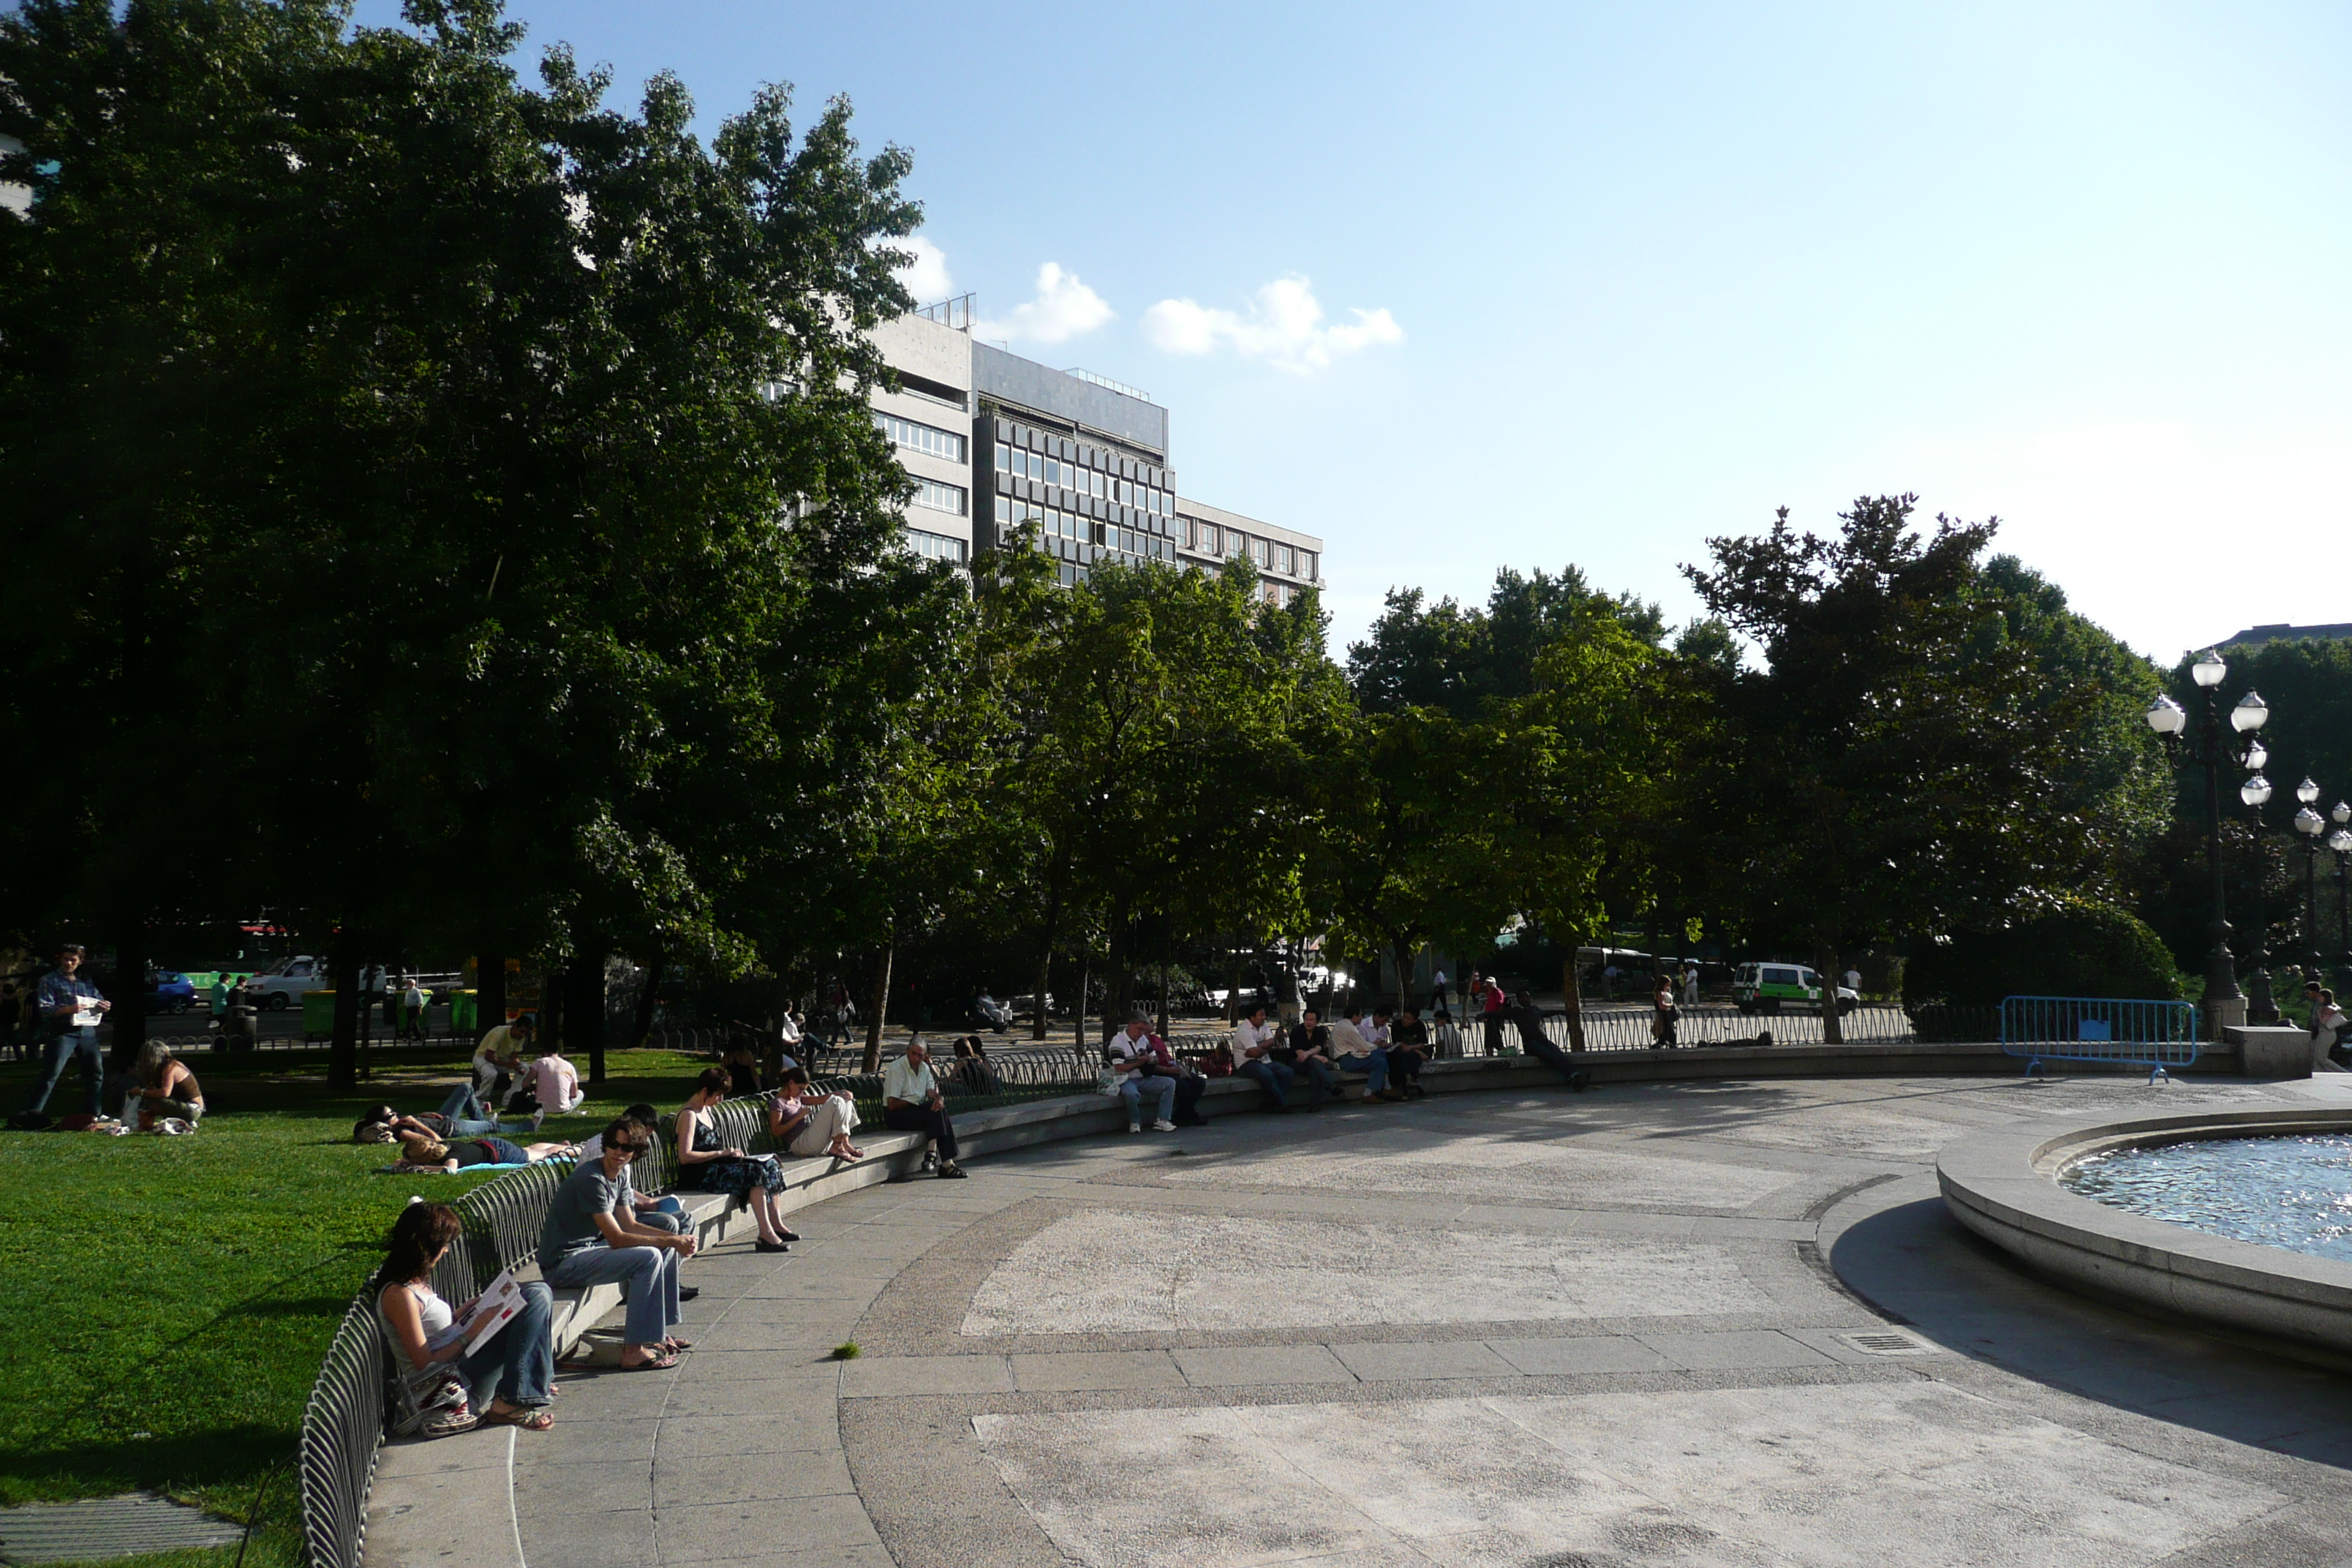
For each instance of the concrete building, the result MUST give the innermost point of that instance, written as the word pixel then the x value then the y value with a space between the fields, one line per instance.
pixel 997 443
pixel 929 420
pixel 2255 636
pixel 1286 560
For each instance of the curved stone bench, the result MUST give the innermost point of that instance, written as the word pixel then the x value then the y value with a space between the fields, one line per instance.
pixel 2004 1188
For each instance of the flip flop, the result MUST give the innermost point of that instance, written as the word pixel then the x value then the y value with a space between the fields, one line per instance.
pixel 530 1418
pixel 660 1362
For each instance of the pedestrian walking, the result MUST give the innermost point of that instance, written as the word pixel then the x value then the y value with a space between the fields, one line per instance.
pixel 70 1010
pixel 1437 994
pixel 1690 985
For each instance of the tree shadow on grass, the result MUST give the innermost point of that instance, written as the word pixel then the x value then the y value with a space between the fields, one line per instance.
pixel 219 1456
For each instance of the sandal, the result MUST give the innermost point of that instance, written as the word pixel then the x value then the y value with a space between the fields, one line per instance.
pixel 530 1417
pixel 660 1361
pixel 675 1343
pixel 449 1423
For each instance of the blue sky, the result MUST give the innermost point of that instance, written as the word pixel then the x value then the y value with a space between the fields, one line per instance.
pixel 1598 281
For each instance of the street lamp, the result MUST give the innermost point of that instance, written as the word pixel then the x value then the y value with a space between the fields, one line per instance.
pixel 2341 842
pixel 2208 748
pixel 2311 825
pixel 2261 1008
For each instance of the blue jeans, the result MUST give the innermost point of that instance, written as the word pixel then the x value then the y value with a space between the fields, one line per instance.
pixel 70 1044
pixel 1322 1078
pixel 649 1274
pixel 519 1363
pixel 1274 1077
pixel 666 1213
pixel 1375 1068
pixel 465 1113
pixel 1132 1090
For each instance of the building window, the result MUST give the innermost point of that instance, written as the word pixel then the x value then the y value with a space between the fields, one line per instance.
pixel 923 438
pixel 1257 551
pixel 1282 558
pixel 1307 564
pixel 948 498
pixel 1004 509
pixel 936 546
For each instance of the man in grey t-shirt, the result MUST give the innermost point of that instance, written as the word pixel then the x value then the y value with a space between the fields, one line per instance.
pixel 585 1242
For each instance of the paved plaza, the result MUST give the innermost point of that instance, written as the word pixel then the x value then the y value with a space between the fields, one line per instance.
pixel 1686 1323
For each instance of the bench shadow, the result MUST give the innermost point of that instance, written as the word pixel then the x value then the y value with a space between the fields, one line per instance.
pixel 1916 1265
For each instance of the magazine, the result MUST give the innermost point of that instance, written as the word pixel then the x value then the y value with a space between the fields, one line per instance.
pixel 488 1312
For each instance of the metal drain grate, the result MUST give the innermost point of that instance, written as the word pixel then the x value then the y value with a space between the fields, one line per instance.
pixel 108 1527
pixel 1888 1343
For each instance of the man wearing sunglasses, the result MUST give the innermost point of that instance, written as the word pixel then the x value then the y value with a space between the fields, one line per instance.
pixel 588 1240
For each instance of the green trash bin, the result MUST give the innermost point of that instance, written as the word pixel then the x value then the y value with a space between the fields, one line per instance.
pixel 462 1015
pixel 318 1012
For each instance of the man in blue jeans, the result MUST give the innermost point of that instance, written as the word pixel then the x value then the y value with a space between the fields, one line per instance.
pixel 70 1009
pixel 586 1242
pixel 1255 1041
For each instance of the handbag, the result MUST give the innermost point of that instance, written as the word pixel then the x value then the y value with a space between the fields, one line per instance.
pixel 1106 1081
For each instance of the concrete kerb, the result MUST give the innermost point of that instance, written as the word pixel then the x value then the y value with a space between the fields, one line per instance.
pixel 427 1495
pixel 2003 1186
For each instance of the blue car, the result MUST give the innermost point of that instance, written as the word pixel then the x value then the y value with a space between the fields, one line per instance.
pixel 168 991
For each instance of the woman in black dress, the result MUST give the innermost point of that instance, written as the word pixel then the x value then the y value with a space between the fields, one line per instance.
pixel 705 1164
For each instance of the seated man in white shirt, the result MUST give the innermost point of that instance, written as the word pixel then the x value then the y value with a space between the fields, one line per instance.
pixel 1360 1043
pixel 1255 1041
pixel 912 1102
pixel 1131 1052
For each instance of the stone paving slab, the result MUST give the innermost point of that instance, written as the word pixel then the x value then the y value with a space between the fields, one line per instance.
pixel 1254 1308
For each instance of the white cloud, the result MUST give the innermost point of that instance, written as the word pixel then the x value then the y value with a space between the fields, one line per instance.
pixel 1063 308
pixel 926 277
pixel 1284 326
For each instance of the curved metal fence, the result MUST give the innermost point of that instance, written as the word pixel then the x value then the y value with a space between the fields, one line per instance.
pixel 342 1431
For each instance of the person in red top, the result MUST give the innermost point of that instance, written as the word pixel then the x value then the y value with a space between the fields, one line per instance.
pixel 1491 1005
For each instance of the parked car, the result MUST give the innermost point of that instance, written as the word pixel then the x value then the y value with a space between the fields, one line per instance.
pixel 168 991
pixel 1026 1004
pixel 1770 987
pixel 277 987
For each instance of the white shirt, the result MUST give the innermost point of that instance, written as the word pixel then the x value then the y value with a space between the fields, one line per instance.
pixel 1247 1036
pixel 1375 1032
pixel 1347 1040
pixel 788 1031
pixel 1853 980
pixel 1132 1051
pixel 911 1084
pixel 554 1083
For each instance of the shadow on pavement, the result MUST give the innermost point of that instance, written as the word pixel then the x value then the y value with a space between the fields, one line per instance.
pixel 1914 1263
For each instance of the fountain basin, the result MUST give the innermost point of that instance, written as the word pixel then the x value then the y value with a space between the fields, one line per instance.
pixel 2004 1186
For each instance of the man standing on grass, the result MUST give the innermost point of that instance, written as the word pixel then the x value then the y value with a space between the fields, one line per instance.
pixel 70 1009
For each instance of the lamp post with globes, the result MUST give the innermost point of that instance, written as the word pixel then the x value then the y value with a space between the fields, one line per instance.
pixel 2224 1005
pixel 2341 842
pixel 2311 825
pixel 2261 1008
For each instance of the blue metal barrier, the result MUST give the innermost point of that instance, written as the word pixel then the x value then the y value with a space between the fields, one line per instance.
pixel 2155 1035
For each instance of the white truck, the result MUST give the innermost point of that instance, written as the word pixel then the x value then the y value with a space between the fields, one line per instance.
pixel 287 982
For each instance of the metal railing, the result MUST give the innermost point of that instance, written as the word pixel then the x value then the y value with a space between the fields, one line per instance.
pixel 2126 1031
pixel 343 1432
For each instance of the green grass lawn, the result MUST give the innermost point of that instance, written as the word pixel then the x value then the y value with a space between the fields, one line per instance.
pixel 169 1299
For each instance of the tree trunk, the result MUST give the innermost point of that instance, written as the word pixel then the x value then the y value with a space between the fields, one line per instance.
pixel 1164 998
pixel 342 1051
pixel 1039 1023
pixel 1078 1011
pixel 1402 955
pixel 550 1008
pixel 584 1010
pixel 881 1001
pixel 490 992
pixel 1825 958
pixel 1233 992
pixel 367 1025
pixel 129 1014
pixel 641 1027
pixel 1572 998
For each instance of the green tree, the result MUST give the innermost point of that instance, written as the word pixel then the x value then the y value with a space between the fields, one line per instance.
pixel 1910 758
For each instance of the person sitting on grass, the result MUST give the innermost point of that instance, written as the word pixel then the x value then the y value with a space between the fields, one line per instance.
pixel 441 1386
pixel 705 1164
pixel 584 1242
pixel 810 1124
pixel 912 1102
pixel 423 1151
pixel 553 1088
pixel 498 1060
pixel 164 1089
pixel 1408 1052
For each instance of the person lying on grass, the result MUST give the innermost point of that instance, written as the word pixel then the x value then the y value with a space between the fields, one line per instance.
pixel 424 1150
pixel 810 1124
pixel 461 1115
pixel 441 1386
